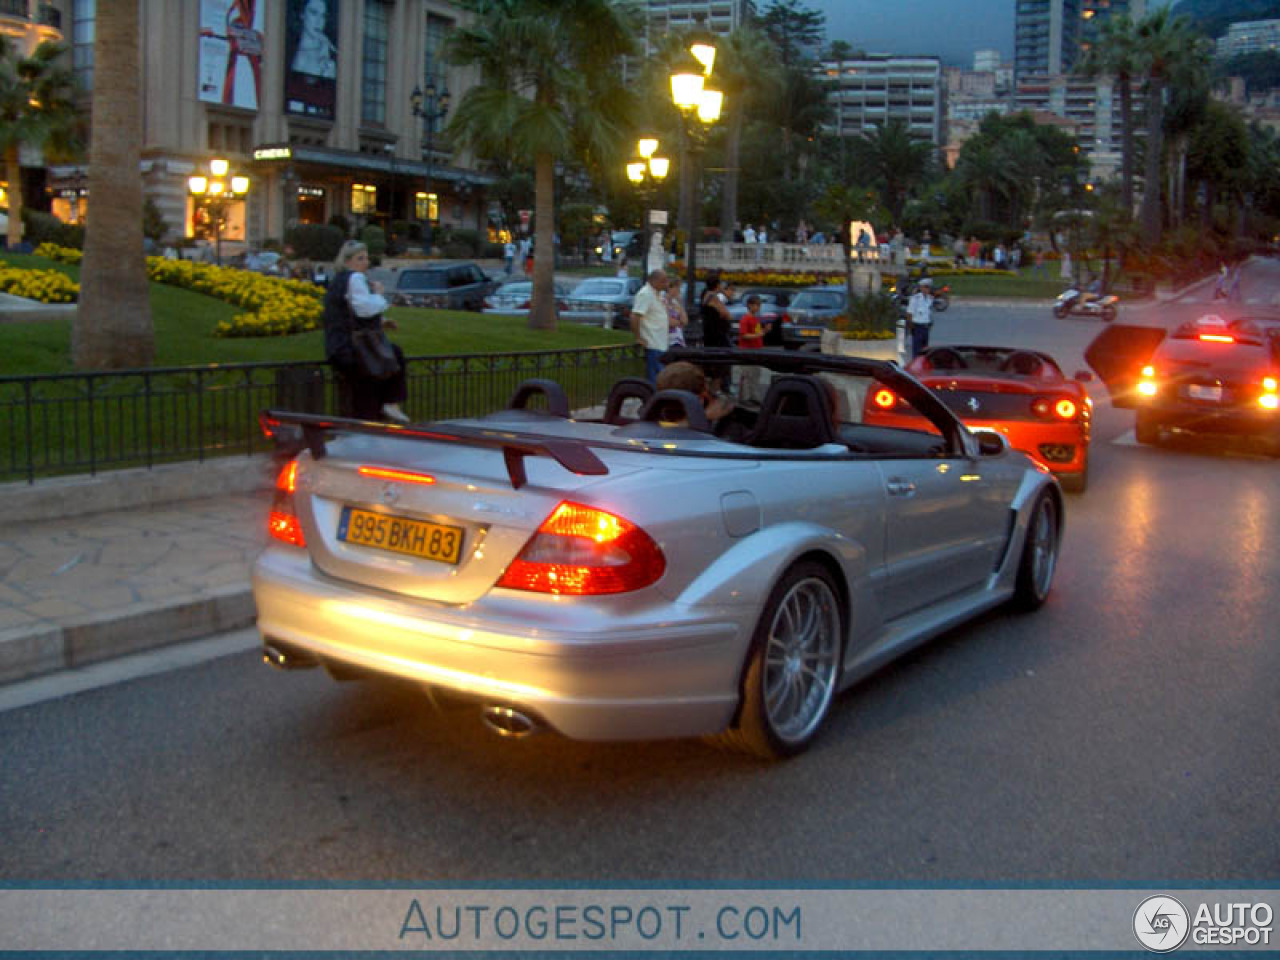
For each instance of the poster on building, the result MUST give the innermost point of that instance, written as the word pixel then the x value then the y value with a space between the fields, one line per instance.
pixel 311 54
pixel 231 52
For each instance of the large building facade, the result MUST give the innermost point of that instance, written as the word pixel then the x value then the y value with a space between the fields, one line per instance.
pixel 1050 35
pixel 311 99
pixel 872 90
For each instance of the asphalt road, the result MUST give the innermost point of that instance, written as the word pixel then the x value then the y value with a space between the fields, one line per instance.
pixel 1126 733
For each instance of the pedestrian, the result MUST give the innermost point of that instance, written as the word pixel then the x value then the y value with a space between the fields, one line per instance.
pixel 802 232
pixel 713 311
pixel 975 252
pixel 621 271
pixel 1041 270
pixel 1233 287
pixel 650 322
pixel 762 234
pixel 677 318
pixel 998 256
pixel 353 303
pixel 749 234
pixel 509 255
pixel 919 310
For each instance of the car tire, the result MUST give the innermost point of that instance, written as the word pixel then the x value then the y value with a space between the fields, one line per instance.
pixel 792 668
pixel 1039 553
pixel 1146 428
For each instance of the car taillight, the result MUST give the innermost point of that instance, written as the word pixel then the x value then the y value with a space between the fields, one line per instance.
pixel 1269 399
pixel 581 551
pixel 786 318
pixel 884 399
pixel 1147 385
pixel 282 522
pixel 1217 338
pixel 1060 408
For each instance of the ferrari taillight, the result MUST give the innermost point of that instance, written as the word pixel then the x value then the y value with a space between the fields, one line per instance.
pixel 581 550
pixel 1050 408
pixel 884 399
pixel 282 522
pixel 1270 400
pixel 1147 385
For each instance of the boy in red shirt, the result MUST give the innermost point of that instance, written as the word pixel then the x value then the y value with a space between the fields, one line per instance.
pixel 750 329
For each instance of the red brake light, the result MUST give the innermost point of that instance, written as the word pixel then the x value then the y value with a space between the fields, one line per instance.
pixel 1217 337
pixel 1066 409
pixel 282 522
pixel 401 476
pixel 581 550
pixel 884 399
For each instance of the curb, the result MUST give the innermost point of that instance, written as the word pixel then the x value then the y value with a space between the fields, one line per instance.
pixel 25 654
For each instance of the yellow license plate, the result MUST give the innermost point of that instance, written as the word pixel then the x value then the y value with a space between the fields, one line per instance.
pixel 416 538
pixel 810 333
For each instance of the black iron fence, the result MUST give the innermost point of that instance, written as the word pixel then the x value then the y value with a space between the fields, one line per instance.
pixel 85 422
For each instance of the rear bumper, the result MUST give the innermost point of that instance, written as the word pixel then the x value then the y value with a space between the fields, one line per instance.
pixel 670 676
pixel 1241 421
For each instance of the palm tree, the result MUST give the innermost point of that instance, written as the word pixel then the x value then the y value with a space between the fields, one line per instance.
pixel 1116 55
pixel 113 323
pixel 889 157
pixel 1162 40
pixel 36 109
pixel 745 72
pixel 549 89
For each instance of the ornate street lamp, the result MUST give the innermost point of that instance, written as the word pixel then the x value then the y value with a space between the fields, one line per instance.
pixel 215 193
pixel 430 106
pixel 694 99
pixel 646 173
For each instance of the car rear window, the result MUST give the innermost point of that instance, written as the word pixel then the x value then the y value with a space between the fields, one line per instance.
pixel 598 288
pixel 816 300
pixel 422 280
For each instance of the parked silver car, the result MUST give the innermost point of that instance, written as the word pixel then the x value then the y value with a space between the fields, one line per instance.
pixel 659 577
pixel 602 300
pixel 515 297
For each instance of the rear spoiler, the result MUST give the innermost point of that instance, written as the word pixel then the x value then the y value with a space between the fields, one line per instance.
pixel 310 431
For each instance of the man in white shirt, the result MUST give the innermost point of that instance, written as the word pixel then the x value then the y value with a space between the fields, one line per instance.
pixel 749 234
pixel 919 308
pixel 649 322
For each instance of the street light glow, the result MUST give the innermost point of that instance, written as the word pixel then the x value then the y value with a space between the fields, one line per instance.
pixel 686 90
pixel 709 105
pixel 659 167
pixel 219 167
pixel 198 185
pixel 647 146
pixel 635 171
pixel 705 53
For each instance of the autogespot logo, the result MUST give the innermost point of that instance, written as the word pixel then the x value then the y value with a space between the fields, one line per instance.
pixel 1161 923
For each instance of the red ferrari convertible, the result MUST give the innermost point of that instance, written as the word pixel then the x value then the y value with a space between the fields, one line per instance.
pixel 1020 393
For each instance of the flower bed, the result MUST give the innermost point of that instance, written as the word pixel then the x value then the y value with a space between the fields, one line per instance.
pixel 47 286
pixel 274 306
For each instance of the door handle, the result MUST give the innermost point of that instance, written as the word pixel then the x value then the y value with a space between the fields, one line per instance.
pixel 898 487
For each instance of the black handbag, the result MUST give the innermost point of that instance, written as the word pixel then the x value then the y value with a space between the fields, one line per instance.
pixel 374 354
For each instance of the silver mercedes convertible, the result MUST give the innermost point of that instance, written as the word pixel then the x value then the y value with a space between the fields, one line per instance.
pixel 641 570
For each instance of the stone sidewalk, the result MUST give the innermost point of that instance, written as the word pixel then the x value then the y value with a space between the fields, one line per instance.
pixel 95 568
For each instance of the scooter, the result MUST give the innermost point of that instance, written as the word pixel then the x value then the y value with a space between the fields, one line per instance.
pixel 941 296
pixel 1083 304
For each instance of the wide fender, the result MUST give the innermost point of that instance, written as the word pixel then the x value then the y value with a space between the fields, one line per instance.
pixel 1033 484
pixel 744 574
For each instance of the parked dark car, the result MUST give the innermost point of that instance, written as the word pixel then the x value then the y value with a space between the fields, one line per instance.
pixel 810 312
pixel 451 286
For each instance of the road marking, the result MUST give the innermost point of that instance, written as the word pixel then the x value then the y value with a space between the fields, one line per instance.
pixel 66 683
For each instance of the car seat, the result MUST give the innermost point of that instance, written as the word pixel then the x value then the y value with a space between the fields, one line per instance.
pixel 795 415
pixel 628 388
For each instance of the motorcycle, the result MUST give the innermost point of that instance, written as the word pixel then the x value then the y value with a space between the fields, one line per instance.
pixel 1084 304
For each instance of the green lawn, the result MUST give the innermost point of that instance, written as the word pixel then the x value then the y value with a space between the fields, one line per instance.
pixel 185 321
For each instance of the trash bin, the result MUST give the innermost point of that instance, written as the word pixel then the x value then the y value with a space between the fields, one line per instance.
pixel 300 389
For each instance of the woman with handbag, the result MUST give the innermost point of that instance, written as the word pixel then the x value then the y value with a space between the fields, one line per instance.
pixel 369 367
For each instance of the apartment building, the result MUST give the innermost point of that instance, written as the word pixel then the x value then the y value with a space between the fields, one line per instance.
pixel 1251 36
pixel 872 90
pixel 311 99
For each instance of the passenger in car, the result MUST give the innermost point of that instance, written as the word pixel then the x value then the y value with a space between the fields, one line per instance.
pixel 683 375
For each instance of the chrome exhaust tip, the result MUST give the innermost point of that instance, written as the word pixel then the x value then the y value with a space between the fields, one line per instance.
pixel 508 722
pixel 283 657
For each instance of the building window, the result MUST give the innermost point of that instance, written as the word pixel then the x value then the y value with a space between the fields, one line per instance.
pixel 426 206
pixel 364 198
pixel 82 16
pixel 433 70
pixel 373 81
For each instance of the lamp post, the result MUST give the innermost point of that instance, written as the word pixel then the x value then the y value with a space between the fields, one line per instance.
pixel 429 106
pixel 214 194
pixel 694 100
pixel 646 173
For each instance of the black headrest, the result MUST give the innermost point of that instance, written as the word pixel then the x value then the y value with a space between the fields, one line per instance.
pixel 673 406
pixel 795 415
pixel 557 400
pixel 628 388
